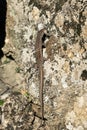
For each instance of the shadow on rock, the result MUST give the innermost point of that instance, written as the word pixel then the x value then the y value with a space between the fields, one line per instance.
pixel 3 11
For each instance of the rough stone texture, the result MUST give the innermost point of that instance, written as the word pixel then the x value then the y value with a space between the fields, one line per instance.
pixel 65 64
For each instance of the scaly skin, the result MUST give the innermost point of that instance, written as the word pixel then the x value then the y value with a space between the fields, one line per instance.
pixel 39 60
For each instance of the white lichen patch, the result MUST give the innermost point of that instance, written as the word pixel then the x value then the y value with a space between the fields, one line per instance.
pixel 48 13
pixel 46 99
pixel 63 81
pixel 33 89
pixel 78 115
pixel 51 68
pixel 54 81
pixel 59 62
pixel 69 126
pixel 70 117
pixel 27 55
pixel 27 33
pixel 40 26
pixel 75 76
pixel 47 68
pixel 80 101
pixel 44 53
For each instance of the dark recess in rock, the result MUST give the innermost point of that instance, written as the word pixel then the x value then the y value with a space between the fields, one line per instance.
pixel 38 5
pixel 3 10
pixel 1 54
pixel 84 75
pixel 78 29
pixel 59 4
pixel 64 47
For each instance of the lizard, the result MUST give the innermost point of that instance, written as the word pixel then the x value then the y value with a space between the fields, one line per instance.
pixel 39 60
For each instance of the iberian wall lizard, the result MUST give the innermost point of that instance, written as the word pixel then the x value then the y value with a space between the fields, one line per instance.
pixel 39 60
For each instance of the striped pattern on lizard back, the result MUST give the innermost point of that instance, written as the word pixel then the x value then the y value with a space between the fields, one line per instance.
pixel 39 60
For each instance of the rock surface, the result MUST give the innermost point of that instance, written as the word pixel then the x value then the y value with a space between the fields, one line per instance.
pixel 65 65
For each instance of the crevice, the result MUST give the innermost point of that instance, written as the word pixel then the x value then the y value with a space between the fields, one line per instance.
pixel 3 11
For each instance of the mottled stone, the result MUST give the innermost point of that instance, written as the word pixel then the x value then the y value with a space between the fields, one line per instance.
pixel 59 19
pixel 84 30
pixel 64 58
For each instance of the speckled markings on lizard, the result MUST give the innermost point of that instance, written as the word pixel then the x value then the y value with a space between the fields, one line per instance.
pixel 39 60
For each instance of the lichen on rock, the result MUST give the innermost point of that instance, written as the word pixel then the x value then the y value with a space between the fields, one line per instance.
pixel 65 60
